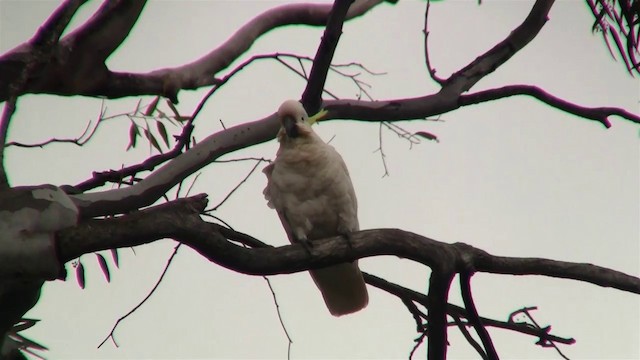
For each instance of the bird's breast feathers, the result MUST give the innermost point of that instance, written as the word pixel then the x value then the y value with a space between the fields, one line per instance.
pixel 310 183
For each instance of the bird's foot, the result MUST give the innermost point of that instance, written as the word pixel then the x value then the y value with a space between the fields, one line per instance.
pixel 348 237
pixel 307 245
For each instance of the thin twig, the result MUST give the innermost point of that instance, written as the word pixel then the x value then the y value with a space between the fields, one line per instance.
pixel 381 151
pixel 78 141
pixel 469 338
pixel 242 159
pixel 236 187
pixel 432 71
pixel 542 342
pixel 418 342
pixel 155 287
pixel 284 328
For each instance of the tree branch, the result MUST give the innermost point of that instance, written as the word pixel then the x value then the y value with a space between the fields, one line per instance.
pixel 427 60
pixel 180 220
pixel 5 120
pixel 459 312
pixel 49 33
pixel 105 31
pixel 474 318
pixel 312 95
pixel 247 134
pixel 600 114
pixel 465 78
pixel 72 74
pixel 439 284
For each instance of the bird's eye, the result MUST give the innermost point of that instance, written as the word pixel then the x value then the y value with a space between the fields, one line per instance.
pixel 301 118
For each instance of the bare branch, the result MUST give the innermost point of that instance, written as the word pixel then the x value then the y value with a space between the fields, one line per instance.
pixel 431 70
pixel 80 140
pixel 474 318
pixel 600 114
pixel 251 133
pixel 104 32
pixel 42 44
pixel 469 338
pixel 312 95
pixel 456 311
pixel 284 328
pixel 5 120
pixel 179 220
pixel 100 178
pixel 253 169
pixel 465 78
pixel 135 308
pixel 439 283
pixel 49 33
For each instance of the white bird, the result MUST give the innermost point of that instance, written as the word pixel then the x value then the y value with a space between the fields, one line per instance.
pixel 309 186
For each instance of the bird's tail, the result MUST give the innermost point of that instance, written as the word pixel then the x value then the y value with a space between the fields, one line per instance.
pixel 342 287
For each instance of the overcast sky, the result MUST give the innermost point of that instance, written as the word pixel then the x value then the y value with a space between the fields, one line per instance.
pixel 513 177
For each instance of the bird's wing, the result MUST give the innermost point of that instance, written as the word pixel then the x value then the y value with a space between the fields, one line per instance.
pixel 271 194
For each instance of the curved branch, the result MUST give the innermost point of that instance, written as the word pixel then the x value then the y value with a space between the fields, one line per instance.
pixel 600 114
pixel 104 32
pixel 465 78
pixel 248 134
pixel 474 318
pixel 180 220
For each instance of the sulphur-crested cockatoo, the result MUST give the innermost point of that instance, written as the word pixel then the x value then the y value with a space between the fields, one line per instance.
pixel 309 186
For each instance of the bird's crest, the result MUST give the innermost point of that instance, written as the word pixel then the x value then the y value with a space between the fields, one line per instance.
pixel 315 118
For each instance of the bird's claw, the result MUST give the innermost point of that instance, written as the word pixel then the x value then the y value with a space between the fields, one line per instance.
pixel 348 237
pixel 306 244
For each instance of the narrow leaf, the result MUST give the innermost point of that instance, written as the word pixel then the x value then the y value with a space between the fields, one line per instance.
pixel 80 275
pixel 114 255
pixel 173 108
pixel 24 324
pixel 152 140
pixel 28 343
pixel 162 130
pixel 152 107
pixel 133 135
pixel 104 267
pixel 426 135
pixel 597 24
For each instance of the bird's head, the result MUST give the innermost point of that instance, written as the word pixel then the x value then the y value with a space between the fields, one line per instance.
pixel 293 119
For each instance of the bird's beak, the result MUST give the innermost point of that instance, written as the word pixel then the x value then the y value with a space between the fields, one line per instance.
pixel 290 126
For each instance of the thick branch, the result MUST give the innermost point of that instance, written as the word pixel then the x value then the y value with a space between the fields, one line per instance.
pixel 49 33
pixel 312 95
pixel 106 30
pixel 180 220
pixel 439 284
pixel 488 62
pixel 73 74
pixel 242 136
